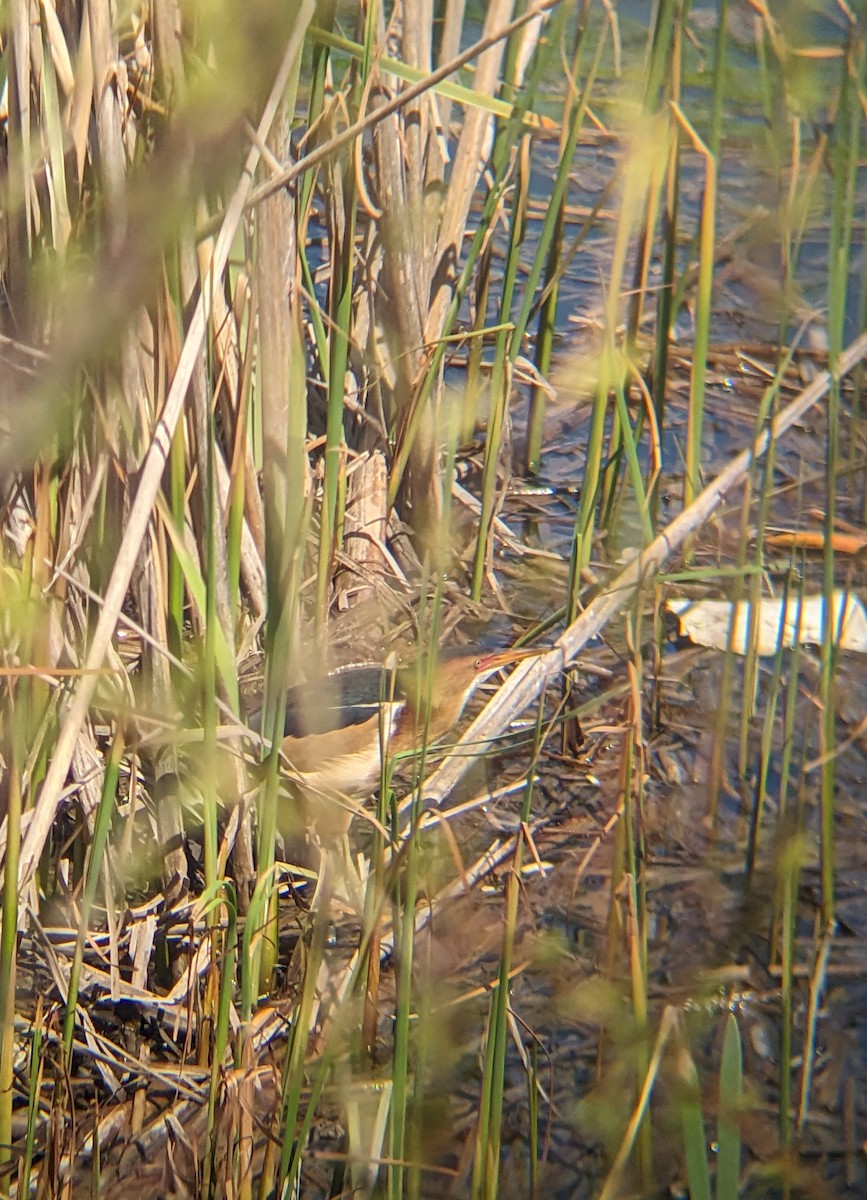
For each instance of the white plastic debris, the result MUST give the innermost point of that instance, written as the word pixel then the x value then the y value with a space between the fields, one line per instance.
pixel 707 622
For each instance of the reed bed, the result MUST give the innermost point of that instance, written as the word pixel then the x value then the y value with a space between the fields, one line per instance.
pixel 336 332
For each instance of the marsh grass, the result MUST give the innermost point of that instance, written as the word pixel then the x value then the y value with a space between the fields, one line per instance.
pixel 245 249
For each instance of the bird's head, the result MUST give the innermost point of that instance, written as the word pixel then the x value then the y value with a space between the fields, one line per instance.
pixel 443 691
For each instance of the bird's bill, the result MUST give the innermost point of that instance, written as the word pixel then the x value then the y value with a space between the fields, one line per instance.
pixel 505 658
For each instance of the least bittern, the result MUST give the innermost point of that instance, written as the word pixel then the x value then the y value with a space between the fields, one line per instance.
pixel 338 729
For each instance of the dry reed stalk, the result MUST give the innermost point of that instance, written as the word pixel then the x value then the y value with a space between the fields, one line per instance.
pixel 152 585
pixel 450 45
pixel 234 371
pixel 365 530
pixel 17 201
pixel 164 762
pixel 422 240
pixel 468 164
pixel 279 315
pixel 111 121
pixel 252 565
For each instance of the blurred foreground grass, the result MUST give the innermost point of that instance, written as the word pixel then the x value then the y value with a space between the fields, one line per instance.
pixel 270 273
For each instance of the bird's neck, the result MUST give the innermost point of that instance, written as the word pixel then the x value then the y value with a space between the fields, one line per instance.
pixel 436 714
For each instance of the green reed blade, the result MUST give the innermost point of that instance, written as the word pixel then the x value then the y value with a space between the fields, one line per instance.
pixel 547 249
pixel 728 1172
pixel 694 1138
pixel 845 151
pixel 95 863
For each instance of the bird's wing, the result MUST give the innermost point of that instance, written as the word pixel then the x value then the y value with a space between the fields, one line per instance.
pixel 345 699
pixel 336 702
